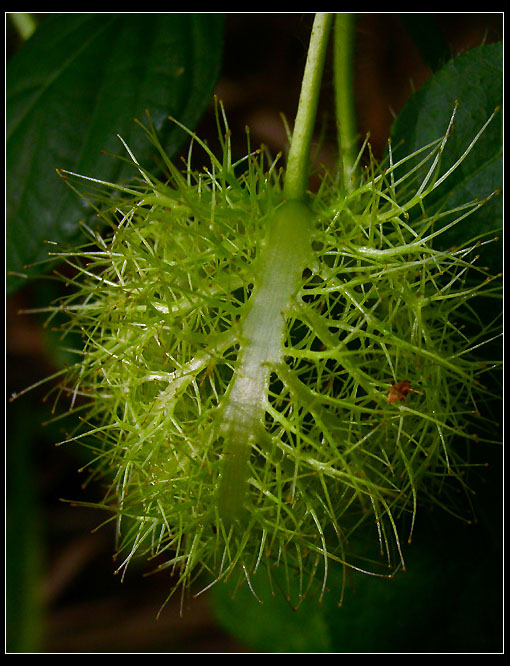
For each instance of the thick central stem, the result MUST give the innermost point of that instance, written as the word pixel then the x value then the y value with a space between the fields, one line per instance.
pixel 279 275
pixel 285 255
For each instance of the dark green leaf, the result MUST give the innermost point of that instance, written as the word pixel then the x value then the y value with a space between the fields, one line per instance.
pixel 24 536
pixel 448 600
pixel 475 80
pixel 428 38
pixel 77 83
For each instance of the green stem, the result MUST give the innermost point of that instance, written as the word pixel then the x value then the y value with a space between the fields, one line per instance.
pixel 279 273
pixel 283 259
pixel 344 96
pixel 296 179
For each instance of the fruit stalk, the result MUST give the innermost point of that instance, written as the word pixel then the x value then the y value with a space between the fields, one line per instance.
pixel 298 161
pixel 278 277
pixel 344 97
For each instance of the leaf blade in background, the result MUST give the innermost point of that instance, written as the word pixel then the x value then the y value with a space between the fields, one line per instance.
pixel 25 551
pixel 77 83
pixel 427 36
pixel 475 81
pixel 448 600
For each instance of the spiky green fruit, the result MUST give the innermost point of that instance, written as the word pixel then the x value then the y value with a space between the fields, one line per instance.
pixel 260 377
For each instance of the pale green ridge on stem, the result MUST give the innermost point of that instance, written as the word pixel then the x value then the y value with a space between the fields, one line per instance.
pixel 283 259
pixel 296 178
pixel 279 274
pixel 344 96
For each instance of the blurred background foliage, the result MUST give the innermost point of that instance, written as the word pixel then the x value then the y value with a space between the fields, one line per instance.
pixel 62 596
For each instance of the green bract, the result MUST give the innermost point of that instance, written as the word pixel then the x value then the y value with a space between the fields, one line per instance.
pixel 260 377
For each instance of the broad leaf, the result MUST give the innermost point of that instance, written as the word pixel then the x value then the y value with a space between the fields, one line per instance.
pixel 475 82
pixel 425 32
pixel 448 600
pixel 77 83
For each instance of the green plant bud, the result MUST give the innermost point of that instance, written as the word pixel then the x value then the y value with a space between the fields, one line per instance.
pixel 261 377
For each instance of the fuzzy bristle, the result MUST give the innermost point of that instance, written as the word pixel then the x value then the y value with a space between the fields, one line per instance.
pixel 369 374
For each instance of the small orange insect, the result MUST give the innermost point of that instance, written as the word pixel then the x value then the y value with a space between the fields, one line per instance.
pixel 400 390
